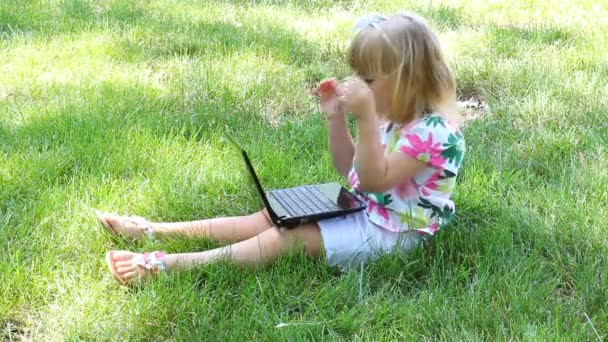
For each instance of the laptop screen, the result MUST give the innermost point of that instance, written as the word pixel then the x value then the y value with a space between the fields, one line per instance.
pixel 254 176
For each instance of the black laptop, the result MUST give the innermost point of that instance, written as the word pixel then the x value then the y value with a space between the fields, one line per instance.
pixel 289 208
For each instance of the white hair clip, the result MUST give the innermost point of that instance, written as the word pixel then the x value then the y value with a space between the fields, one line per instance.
pixel 371 20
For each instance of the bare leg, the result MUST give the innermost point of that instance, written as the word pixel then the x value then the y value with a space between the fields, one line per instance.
pixel 224 229
pixel 258 250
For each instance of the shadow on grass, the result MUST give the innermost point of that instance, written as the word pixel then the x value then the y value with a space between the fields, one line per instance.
pixel 156 35
pixel 33 18
pixel 11 330
pixel 110 136
pixel 82 138
pixel 5 135
pixel 219 39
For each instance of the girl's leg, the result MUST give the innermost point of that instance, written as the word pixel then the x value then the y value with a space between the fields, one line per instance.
pixel 258 250
pixel 224 229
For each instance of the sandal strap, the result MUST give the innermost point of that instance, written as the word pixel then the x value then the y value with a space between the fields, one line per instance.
pixel 153 261
pixel 142 222
pixel 149 230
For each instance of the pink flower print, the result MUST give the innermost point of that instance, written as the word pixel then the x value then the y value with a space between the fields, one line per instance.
pixel 431 184
pixel 407 191
pixel 433 228
pixel 381 210
pixel 353 179
pixel 421 232
pixel 425 151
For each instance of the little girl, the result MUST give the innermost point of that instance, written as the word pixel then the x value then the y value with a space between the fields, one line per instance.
pixel 404 164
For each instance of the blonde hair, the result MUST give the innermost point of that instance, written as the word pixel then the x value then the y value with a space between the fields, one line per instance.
pixel 404 46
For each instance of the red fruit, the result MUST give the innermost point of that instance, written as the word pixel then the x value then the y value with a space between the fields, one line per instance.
pixel 328 86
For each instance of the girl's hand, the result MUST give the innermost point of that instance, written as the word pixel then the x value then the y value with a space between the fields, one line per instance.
pixel 356 97
pixel 328 98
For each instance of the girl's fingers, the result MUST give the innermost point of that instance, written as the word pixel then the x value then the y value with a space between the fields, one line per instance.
pixel 128 275
pixel 339 90
pixel 341 102
pixel 125 269
pixel 123 263
pixel 342 90
pixel 324 97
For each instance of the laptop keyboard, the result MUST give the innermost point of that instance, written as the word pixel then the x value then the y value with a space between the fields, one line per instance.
pixel 304 200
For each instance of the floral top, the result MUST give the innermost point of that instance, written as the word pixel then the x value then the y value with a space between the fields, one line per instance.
pixel 422 202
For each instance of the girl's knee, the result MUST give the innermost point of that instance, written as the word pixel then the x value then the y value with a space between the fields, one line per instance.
pixel 264 213
pixel 306 236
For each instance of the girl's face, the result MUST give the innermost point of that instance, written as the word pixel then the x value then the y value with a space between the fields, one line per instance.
pixel 383 88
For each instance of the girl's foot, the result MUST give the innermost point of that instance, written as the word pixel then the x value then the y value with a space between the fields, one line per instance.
pixel 127 226
pixel 129 268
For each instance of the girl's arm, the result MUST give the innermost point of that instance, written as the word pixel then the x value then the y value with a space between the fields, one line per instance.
pixel 377 172
pixel 340 143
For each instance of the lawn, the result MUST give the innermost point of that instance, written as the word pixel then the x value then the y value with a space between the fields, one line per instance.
pixel 119 105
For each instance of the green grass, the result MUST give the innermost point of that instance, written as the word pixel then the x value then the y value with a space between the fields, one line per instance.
pixel 119 105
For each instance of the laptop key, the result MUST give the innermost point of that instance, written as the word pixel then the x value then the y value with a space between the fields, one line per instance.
pixel 305 200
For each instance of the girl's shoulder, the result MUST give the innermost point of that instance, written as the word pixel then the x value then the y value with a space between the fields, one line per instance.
pixel 434 140
pixel 432 121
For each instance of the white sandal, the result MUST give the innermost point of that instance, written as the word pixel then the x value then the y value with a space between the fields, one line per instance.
pixel 153 263
pixel 138 221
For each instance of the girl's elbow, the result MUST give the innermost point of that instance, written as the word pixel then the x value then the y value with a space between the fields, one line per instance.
pixel 372 186
pixel 343 169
